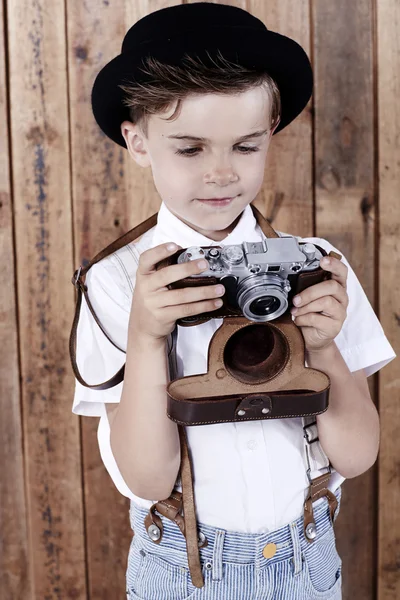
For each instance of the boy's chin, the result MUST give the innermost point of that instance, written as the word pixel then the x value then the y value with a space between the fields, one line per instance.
pixel 218 225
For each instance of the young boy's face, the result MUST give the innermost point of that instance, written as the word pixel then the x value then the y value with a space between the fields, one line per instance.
pixel 188 173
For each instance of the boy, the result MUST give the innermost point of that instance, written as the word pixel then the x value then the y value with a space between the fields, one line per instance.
pixel 196 94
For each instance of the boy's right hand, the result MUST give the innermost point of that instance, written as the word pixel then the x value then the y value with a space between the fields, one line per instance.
pixel 155 308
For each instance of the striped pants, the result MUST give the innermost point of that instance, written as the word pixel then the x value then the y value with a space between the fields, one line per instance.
pixel 234 564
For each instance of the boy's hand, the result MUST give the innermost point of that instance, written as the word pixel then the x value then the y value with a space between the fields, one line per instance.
pixel 323 307
pixel 155 308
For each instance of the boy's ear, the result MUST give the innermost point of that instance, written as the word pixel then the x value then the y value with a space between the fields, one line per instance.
pixel 136 143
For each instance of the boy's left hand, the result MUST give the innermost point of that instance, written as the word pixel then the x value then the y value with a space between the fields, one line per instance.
pixel 323 307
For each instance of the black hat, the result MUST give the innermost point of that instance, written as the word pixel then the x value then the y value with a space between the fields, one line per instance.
pixel 201 29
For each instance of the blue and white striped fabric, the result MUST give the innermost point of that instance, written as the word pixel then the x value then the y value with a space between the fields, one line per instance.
pixel 233 564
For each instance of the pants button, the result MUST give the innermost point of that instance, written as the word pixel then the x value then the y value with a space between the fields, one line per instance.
pixel 154 532
pixel 311 531
pixel 269 550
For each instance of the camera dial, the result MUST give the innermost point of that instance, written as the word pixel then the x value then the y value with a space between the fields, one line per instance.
pixel 214 253
pixel 232 255
pixel 214 260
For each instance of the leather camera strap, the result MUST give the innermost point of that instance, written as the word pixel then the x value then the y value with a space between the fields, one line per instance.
pixel 189 511
pixel 245 406
pixel 78 280
pixel 172 508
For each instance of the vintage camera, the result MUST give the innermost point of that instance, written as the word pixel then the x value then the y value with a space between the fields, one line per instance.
pixel 259 277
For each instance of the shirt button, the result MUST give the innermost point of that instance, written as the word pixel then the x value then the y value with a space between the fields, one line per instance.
pixel 251 444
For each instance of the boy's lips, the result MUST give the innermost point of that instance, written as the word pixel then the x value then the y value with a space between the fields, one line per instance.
pixel 227 198
pixel 217 201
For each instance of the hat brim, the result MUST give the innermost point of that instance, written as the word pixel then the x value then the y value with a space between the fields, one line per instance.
pixel 262 50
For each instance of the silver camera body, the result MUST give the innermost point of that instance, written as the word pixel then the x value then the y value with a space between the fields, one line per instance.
pixel 258 276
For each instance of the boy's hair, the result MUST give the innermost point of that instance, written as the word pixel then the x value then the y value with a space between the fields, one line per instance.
pixel 168 83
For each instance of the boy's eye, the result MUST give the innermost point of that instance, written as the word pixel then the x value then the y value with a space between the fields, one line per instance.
pixel 193 151
pixel 187 151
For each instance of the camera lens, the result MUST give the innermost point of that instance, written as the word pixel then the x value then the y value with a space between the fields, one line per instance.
pixel 262 297
pixel 265 305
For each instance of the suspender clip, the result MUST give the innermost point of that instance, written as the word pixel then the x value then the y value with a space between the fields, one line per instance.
pixel 311 436
pixel 76 280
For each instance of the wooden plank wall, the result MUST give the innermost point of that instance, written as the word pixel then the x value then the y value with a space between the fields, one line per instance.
pixel 14 581
pixel 66 191
pixel 388 171
pixel 345 214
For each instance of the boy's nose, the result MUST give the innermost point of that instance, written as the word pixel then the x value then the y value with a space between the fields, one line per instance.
pixel 221 176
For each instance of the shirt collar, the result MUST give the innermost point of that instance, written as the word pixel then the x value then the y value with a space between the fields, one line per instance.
pixel 171 229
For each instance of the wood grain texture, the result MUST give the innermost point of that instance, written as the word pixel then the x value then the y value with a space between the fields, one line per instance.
pixel 95 34
pixel 15 582
pixel 41 185
pixel 388 56
pixel 345 215
pixel 111 194
pixel 286 197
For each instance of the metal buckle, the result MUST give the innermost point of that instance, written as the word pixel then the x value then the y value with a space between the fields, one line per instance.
pixel 308 464
pixel 76 277
pixel 308 444
pixel 313 424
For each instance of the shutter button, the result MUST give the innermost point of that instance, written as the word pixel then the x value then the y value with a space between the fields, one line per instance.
pixel 311 531
pixel 154 532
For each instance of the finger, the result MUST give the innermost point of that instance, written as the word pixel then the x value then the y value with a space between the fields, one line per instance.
pixel 173 313
pixel 328 305
pixel 149 258
pixel 330 287
pixel 190 295
pixel 337 268
pixel 164 277
pixel 329 327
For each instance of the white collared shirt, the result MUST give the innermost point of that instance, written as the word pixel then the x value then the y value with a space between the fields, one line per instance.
pixel 249 476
